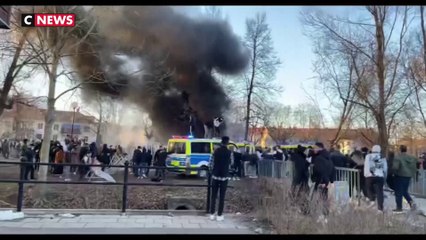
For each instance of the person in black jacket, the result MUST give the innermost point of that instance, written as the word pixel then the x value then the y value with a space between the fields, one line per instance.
pixel 301 170
pixel 105 156
pixel 338 159
pixel 161 162
pixel 220 176
pixel 137 161
pixel 93 152
pixel 37 149
pixel 323 172
pixel 238 163
pixel 278 155
pixel 144 163
pixel 134 164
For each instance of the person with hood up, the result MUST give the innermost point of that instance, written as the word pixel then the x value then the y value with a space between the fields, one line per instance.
pixel 404 168
pixel 375 171
pixel 301 170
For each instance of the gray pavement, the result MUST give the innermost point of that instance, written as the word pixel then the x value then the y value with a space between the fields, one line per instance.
pixel 117 224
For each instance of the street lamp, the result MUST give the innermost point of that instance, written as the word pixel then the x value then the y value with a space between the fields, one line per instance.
pixel 74 106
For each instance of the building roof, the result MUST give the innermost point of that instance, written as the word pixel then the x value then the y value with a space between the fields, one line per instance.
pixel 325 135
pixel 22 112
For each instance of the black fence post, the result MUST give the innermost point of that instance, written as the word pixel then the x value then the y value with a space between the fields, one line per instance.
pixel 23 166
pixel 126 177
pixel 209 183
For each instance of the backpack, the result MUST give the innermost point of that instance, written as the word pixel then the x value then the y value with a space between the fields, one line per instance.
pixel 376 163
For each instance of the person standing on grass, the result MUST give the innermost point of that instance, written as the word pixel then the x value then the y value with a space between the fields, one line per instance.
pixel 323 173
pixel 375 171
pixel 404 168
pixel 301 171
pixel 220 175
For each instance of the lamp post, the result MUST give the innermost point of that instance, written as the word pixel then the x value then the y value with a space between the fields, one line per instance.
pixel 74 106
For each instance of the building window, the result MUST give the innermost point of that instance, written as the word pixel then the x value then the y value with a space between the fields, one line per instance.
pixel 38 136
pixel 56 127
pixel 40 126
pixel 86 128
pixel 55 137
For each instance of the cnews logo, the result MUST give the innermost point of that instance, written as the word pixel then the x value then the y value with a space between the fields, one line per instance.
pixel 48 20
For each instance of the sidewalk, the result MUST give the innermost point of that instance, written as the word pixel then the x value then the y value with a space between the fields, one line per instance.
pixel 116 224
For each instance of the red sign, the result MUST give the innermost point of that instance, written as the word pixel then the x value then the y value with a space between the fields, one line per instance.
pixel 48 20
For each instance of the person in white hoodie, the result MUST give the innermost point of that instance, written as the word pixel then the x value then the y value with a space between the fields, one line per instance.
pixel 375 171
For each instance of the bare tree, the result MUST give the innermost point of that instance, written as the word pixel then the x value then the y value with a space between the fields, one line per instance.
pixel 258 80
pixel 280 129
pixel 213 12
pixel 52 46
pixel 307 115
pixel 15 58
pixel 416 68
pixel 375 46
pixel 336 75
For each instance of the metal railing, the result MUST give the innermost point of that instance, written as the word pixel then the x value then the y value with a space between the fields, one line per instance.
pixel 353 178
pixel 124 183
pixel 275 168
pixel 418 184
pixel 285 169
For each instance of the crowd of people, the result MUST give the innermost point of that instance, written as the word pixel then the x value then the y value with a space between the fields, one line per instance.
pixel 375 169
pixel 142 159
pixel 71 150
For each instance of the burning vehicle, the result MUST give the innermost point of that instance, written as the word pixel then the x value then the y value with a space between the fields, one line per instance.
pixel 173 58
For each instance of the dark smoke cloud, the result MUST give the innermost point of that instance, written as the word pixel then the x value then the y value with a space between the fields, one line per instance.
pixel 178 55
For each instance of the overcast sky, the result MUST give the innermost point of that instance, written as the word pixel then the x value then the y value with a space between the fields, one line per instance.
pixel 292 47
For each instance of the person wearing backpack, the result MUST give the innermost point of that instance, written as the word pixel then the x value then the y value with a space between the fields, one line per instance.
pixel 375 170
pixel 404 168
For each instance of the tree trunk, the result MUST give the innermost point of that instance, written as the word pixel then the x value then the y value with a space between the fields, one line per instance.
pixel 383 136
pixel 99 127
pixel 250 90
pixel 380 71
pixel 247 116
pixel 49 120
pixel 10 76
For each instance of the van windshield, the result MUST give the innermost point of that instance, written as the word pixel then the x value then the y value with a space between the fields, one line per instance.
pixel 200 147
pixel 176 147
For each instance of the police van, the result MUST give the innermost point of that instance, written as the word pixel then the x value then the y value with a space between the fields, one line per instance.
pixel 188 152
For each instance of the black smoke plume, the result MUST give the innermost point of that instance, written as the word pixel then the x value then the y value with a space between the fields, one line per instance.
pixel 177 55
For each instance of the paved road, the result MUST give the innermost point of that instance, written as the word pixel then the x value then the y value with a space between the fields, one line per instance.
pixel 116 224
